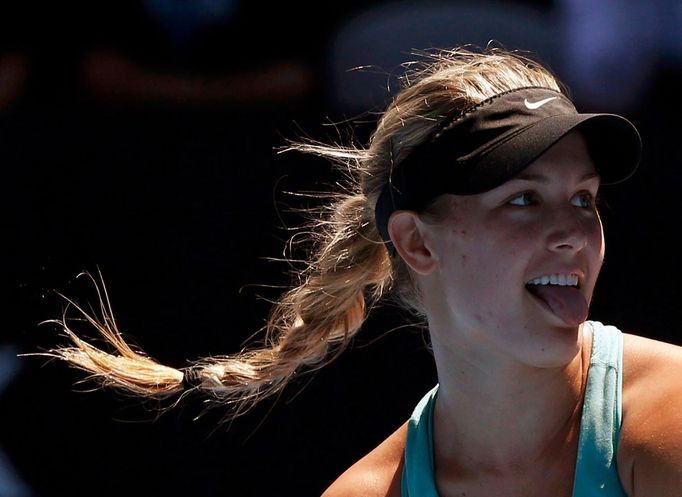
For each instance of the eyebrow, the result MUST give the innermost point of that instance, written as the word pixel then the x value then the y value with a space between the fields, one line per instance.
pixel 541 178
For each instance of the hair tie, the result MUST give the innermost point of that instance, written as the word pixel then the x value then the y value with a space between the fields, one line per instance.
pixel 192 378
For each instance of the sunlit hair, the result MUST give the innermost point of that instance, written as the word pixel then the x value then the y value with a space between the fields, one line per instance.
pixel 348 268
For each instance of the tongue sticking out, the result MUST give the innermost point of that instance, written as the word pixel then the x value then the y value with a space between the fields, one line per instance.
pixel 564 301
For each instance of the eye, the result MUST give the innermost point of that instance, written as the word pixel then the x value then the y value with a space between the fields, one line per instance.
pixel 583 200
pixel 524 199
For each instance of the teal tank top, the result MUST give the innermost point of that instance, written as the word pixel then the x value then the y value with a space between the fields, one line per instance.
pixel 596 474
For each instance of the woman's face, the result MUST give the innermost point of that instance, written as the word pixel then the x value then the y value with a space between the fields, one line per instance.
pixel 521 260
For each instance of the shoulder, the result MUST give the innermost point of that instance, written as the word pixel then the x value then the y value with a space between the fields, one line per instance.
pixel 650 450
pixel 647 361
pixel 375 475
pixel 651 372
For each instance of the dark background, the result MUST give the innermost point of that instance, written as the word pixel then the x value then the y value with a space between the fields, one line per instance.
pixel 139 140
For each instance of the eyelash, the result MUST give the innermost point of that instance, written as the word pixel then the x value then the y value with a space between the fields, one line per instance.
pixel 534 198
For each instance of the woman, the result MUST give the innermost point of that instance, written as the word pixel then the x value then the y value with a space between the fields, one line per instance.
pixel 474 204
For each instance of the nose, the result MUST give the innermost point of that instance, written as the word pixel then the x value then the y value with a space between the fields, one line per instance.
pixel 567 231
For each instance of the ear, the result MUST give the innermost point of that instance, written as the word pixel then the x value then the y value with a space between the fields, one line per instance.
pixel 407 234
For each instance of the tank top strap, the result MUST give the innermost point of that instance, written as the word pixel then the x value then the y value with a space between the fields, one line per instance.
pixel 596 473
pixel 417 479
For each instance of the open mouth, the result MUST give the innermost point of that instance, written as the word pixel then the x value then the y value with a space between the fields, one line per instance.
pixel 561 294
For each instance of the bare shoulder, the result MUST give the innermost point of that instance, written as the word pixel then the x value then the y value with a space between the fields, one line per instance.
pixel 375 475
pixel 645 352
pixel 651 371
pixel 650 451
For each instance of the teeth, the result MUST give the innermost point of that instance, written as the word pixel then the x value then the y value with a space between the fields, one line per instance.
pixel 556 279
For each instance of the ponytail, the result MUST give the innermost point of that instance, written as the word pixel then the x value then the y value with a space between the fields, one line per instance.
pixel 308 326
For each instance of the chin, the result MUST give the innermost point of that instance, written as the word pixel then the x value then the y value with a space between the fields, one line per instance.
pixel 557 347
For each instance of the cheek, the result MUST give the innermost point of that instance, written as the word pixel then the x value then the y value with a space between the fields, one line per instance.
pixel 597 241
pixel 458 238
pixel 486 265
pixel 515 245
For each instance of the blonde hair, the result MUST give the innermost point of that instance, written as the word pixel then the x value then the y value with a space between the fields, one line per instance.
pixel 348 268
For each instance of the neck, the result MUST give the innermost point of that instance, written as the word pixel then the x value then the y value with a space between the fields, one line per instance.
pixel 497 418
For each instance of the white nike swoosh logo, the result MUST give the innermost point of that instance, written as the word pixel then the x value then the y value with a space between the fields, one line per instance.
pixel 538 104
